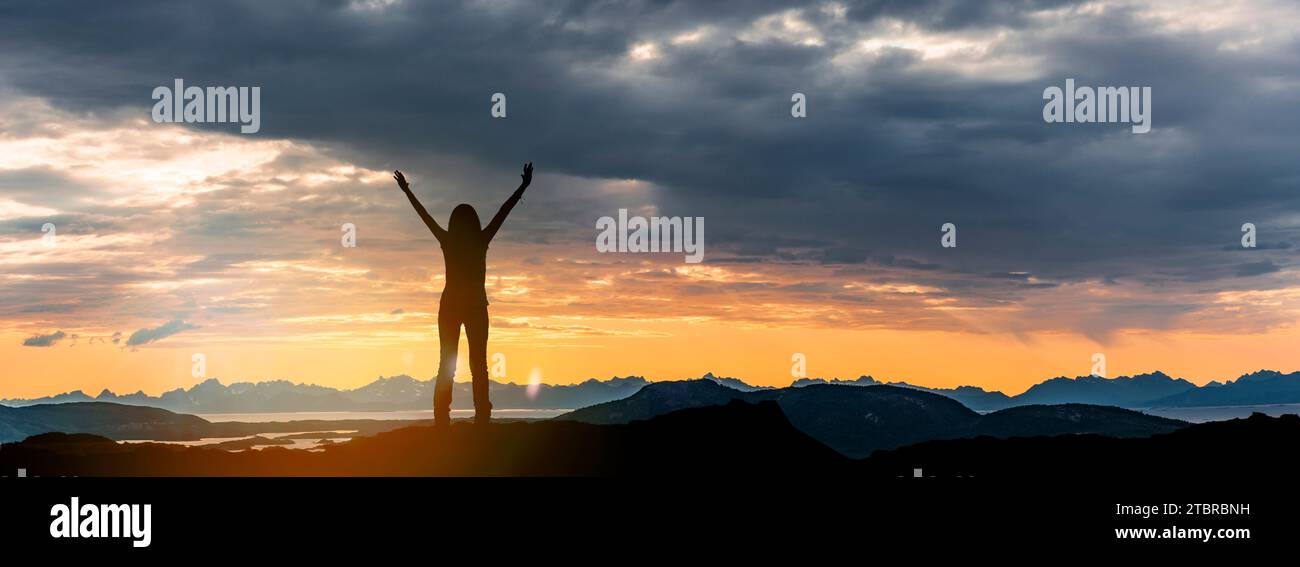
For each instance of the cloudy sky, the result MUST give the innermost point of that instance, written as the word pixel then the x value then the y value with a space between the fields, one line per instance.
pixel 822 233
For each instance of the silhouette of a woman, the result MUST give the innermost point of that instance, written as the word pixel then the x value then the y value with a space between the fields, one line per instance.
pixel 464 299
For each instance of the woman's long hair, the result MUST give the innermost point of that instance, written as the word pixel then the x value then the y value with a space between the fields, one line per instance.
pixel 464 224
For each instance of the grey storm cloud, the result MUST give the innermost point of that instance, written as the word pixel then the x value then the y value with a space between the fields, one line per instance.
pixel 892 146
pixel 1256 268
pixel 146 336
pixel 44 340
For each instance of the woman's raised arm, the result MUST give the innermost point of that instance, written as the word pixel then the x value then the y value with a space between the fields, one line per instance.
pixel 500 218
pixel 437 231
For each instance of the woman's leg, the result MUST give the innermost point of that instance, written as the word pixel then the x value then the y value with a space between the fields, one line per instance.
pixel 448 340
pixel 476 330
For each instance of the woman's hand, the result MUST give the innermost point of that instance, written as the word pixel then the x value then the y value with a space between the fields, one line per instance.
pixel 527 175
pixel 401 180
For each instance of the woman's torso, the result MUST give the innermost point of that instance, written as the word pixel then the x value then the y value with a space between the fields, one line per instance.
pixel 466 265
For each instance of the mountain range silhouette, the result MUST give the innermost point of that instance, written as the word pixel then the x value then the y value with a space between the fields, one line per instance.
pixel 384 394
pixel 857 420
pixel 1141 391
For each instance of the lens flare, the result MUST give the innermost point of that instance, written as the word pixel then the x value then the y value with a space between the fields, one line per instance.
pixel 534 383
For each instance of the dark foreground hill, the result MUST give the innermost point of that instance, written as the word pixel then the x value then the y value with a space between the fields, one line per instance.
pixel 711 443
pixel 857 420
pixel 123 422
pixel 116 421
pixel 1238 451
pixel 1064 419
pixel 729 440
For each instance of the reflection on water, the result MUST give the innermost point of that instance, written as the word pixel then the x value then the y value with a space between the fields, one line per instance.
pixel 304 442
pixel 1220 413
pixel 1215 413
pixel 203 441
pixel 304 439
pixel 383 415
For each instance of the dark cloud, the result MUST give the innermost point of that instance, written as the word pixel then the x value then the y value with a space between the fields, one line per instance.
pixel 955 14
pixel 146 336
pixel 44 340
pixel 1256 268
pixel 895 143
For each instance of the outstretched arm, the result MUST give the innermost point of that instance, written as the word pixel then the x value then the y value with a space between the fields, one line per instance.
pixel 437 231
pixel 495 225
